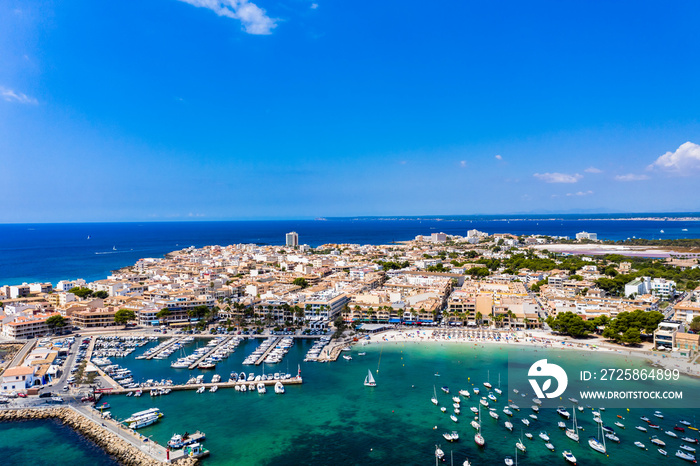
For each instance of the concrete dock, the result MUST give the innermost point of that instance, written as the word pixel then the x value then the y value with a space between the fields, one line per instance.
pixel 156 353
pixel 268 351
pixel 210 352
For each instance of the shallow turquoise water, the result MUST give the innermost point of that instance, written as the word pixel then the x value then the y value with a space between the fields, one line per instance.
pixel 333 419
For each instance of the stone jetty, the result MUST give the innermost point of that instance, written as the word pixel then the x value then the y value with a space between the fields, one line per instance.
pixel 118 448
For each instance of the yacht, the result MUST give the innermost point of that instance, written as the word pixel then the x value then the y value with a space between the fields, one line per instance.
pixel 434 399
pixel 439 454
pixel 370 382
pixel 573 432
pixel 478 438
pixel 685 456
pixel 596 444
pixel 612 437
pixel 563 412
pixel 687 448
pixel 464 393
pixel 143 421
pixel 689 440
pixel 568 456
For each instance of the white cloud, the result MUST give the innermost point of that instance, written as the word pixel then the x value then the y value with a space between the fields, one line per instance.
pixel 462 163
pixel 499 157
pixel 558 177
pixel 12 96
pixel 580 193
pixel 685 161
pixel 631 177
pixel 593 170
pixel 253 18
pixel 314 6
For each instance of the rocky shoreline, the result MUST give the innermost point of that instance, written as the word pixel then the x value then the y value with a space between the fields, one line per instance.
pixel 116 447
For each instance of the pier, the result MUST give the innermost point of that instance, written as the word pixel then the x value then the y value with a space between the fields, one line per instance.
pixel 208 353
pixel 268 351
pixel 156 353
pixel 194 386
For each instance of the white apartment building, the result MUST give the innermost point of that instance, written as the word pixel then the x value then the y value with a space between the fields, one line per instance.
pixel 292 239
pixel 586 235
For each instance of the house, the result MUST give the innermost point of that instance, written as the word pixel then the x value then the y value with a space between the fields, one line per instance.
pixel 18 378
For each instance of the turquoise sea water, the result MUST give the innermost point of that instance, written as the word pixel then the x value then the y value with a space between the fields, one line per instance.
pixel 334 419
pixel 47 442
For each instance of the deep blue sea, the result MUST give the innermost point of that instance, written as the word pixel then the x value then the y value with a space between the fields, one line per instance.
pixel 53 252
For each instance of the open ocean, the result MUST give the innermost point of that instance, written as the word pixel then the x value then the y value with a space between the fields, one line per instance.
pixel 53 252
pixel 332 418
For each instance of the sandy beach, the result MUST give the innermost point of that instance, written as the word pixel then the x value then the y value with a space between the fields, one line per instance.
pixel 534 339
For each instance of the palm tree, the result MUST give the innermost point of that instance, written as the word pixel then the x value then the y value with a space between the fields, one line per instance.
pixel 478 316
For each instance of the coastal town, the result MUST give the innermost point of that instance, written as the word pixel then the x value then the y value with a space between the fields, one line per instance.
pixel 57 341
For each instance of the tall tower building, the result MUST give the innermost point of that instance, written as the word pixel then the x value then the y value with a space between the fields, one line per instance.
pixel 292 239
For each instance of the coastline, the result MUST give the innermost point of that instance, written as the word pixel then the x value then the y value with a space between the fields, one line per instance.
pixel 122 451
pixel 536 340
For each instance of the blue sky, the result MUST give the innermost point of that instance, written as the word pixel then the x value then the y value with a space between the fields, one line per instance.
pixel 222 109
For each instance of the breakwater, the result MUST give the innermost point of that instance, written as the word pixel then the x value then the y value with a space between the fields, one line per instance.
pixel 111 443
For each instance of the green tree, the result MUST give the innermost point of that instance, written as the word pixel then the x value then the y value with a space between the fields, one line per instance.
pixel 81 292
pixel 695 324
pixel 55 322
pixel 632 336
pixel 124 316
pixel 301 282
pixel 163 314
pixel 101 294
pixel 569 323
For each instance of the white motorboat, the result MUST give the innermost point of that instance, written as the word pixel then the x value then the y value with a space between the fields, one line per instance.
pixel 528 435
pixel 493 414
pixel 465 393
pixel 509 461
pixel 454 418
pixel 214 389
pixel 544 436
pixel 687 448
pixel 643 429
pixel 640 445
pixel 201 389
pixel 685 456
pixel 526 421
pixel 509 426
pixel 662 451
pixel 549 446
pixel 657 441
pixel 563 412
pixel 144 421
pixel 568 456
pixel 619 424
pixel 671 434
pixel 507 411
pixel 279 388
pixel 261 388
